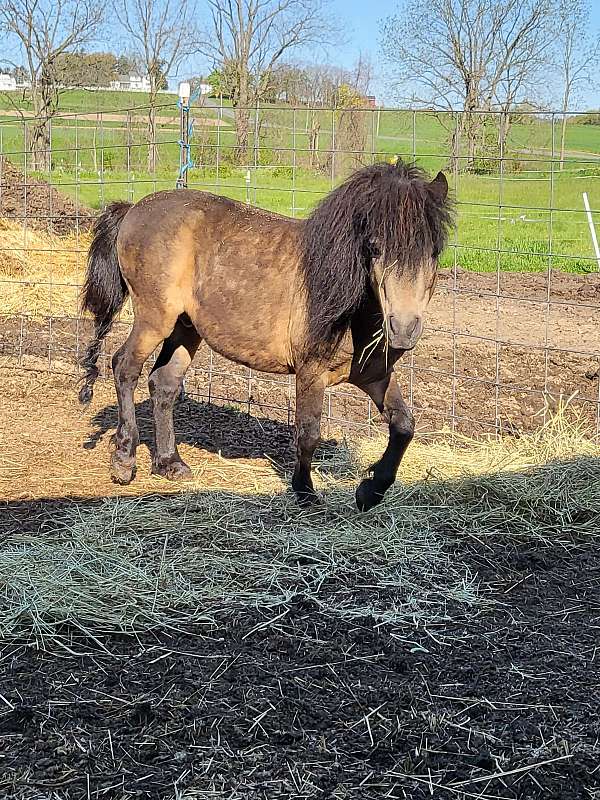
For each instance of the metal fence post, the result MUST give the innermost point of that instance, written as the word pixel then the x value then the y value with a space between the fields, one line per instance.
pixel 184 134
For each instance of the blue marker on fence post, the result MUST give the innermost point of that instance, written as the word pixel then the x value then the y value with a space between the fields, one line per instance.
pixel 183 104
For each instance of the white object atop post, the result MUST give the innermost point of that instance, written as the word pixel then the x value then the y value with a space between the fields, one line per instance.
pixel 184 92
pixel 588 211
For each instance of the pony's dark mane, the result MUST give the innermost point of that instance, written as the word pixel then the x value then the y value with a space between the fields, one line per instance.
pixel 384 210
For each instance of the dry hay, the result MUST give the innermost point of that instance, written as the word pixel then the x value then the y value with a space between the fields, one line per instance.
pixel 40 273
pixel 447 455
pixel 137 563
pixel 44 238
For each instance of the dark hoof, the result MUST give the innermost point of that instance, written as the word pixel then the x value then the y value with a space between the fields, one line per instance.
pixel 176 470
pixel 367 495
pixel 307 498
pixel 85 394
pixel 122 470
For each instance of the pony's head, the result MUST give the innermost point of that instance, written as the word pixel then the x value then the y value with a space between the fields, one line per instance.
pixel 380 231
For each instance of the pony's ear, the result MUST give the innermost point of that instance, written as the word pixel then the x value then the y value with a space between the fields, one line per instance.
pixel 439 187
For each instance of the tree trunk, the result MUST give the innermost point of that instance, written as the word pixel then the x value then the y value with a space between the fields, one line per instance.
pixel 469 131
pixel 563 129
pixel 471 128
pixel 503 130
pixel 242 125
pixel 129 141
pixel 242 119
pixel 39 145
pixel 313 141
pixel 152 143
pixel 43 99
pixel 454 161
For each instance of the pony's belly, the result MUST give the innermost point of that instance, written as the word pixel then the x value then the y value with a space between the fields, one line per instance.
pixel 245 320
pixel 248 352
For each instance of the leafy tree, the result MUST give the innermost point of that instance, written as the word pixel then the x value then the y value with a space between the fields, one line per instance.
pixel 85 69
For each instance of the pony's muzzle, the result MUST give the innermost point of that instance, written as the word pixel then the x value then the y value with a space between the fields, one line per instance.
pixel 404 331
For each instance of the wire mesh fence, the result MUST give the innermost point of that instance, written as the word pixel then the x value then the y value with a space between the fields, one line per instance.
pixel 514 325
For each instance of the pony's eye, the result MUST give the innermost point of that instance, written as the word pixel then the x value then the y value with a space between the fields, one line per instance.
pixel 373 249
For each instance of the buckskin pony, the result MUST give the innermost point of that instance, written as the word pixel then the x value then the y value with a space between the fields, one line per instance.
pixel 339 296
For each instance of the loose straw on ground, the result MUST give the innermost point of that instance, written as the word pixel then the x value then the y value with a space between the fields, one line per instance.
pixel 128 564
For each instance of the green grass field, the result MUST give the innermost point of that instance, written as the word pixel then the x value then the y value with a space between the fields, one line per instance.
pixel 526 215
pixel 87 101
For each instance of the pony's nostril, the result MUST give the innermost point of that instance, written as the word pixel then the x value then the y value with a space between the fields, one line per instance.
pixel 394 324
pixel 412 327
pixel 406 329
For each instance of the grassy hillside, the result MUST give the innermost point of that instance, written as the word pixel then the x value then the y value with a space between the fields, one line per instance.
pixel 87 100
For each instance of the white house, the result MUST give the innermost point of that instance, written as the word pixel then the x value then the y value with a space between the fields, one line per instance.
pixel 8 83
pixel 131 83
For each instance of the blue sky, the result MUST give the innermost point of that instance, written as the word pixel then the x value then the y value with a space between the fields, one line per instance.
pixel 362 18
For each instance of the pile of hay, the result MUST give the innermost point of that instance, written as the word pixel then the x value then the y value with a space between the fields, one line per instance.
pixel 44 237
pixel 449 455
pixel 40 272
pixel 126 564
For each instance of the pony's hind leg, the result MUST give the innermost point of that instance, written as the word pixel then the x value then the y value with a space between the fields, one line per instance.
pixel 165 384
pixel 310 389
pixel 127 365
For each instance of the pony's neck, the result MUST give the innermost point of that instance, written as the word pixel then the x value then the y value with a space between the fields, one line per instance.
pixel 368 318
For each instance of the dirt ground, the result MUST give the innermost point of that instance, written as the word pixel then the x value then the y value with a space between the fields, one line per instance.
pixel 53 448
pixel 24 199
pixel 294 703
pixel 291 702
pixel 107 116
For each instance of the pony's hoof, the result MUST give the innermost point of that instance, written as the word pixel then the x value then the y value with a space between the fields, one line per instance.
pixel 367 495
pixel 121 471
pixel 307 498
pixel 176 470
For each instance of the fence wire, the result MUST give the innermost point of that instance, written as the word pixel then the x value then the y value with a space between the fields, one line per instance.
pixel 515 323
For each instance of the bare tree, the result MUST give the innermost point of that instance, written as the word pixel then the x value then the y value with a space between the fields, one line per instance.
pixel 577 55
pixel 472 55
pixel 252 37
pixel 161 34
pixel 44 31
pixel 519 68
pixel 327 86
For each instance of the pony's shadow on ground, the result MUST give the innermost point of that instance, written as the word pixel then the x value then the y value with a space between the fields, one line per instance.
pixel 216 429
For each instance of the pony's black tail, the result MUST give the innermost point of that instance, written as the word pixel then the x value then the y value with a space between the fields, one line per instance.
pixel 104 290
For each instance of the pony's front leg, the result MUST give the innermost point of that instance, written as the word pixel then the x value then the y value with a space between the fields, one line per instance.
pixel 388 399
pixel 310 390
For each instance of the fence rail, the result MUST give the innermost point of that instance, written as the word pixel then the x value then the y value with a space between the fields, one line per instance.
pixel 515 323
